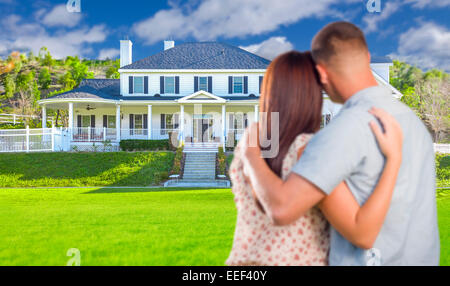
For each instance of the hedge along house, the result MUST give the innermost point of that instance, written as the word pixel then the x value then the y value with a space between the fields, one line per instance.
pixel 204 92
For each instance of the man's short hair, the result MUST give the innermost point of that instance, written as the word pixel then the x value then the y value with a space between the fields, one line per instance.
pixel 336 37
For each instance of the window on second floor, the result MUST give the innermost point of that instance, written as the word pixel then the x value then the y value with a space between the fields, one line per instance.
pixel 169 84
pixel 203 83
pixel 238 84
pixel 138 84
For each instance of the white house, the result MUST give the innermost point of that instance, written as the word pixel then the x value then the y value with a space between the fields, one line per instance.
pixel 203 92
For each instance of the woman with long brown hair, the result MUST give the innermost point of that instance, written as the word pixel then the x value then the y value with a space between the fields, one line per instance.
pixel 291 93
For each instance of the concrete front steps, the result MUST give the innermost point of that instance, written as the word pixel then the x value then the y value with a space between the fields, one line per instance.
pixel 201 147
pixel 199 170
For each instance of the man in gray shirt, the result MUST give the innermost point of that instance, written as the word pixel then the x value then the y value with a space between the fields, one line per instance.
pixel 346 150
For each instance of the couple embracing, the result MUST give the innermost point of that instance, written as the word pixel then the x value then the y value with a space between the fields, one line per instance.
pixel 359 192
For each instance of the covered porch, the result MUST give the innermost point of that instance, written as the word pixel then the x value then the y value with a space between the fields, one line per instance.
pixel 193 119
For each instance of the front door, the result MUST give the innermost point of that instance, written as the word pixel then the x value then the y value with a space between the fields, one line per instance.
pixel 203 128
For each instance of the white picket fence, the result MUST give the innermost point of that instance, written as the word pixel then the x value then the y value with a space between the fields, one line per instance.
pixel 34 140
pixel 442 148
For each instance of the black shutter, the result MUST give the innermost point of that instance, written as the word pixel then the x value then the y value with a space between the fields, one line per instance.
pixel 145 84
pixel 161 85
pixel 245 84
pixel 163 123
pixel 105 121
pixel 230 85
pixel 130 85
pixel 195 83
pixel 245 120
pixel 145 121
pixel 210 84
pixel 79 121
pixel 260 83
pixel 177 85
pixel 131 121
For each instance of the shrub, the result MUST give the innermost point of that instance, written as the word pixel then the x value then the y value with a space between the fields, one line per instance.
pixel 443 170
pixel 177 161
pixel 161 176
pixel 144 145
pixel 221 158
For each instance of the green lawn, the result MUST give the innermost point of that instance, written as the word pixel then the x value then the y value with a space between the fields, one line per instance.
pixel 84 169
pixel 443 203
pixel 116 226
pixel 129 226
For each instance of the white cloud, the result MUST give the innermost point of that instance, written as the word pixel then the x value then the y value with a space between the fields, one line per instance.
pixel 17 34
pixel 428 3
pixel 211 19
pixel 372 20
pixel 425 46
pixel 108 54
pixel 271 47
pixel 59 16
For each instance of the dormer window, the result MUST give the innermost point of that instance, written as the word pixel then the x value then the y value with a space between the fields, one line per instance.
pixel 138 84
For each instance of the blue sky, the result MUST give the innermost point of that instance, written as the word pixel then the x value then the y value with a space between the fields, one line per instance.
pixel 416 31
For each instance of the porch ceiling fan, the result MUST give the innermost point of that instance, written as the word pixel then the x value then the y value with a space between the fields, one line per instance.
pixel 88 108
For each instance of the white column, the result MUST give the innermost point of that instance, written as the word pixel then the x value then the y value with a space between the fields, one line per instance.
pixel 118 123
pixel 256 113
pixel 224 125
pixel 70 115
pixel 44 117
pixel 71 130
pixel 181 124
pixel 27 140
pixel 149 122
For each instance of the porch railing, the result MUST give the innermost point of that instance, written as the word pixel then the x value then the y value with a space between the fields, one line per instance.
pixel 90 134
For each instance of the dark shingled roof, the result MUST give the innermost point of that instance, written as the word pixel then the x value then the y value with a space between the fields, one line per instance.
pixel 380 60
pixel 110 89
pixel 203 55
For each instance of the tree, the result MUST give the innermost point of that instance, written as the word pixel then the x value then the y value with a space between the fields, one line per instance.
pixel 434 93
pixel 45 79
pixel 67 81
pixel 112 71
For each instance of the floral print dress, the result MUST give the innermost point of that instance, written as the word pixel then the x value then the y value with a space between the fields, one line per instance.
pixel 257 241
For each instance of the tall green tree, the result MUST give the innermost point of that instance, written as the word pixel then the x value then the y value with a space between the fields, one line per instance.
pixel 45 78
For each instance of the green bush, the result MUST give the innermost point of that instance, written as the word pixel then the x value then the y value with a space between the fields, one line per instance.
pixel 161 176
pixel 144 145
pixel 222 159
pixel 177 161
pixel 443 170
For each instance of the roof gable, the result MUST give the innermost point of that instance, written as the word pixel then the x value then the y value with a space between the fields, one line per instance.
pixel 201 97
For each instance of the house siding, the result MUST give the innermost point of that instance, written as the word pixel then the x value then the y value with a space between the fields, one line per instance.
pixel 186 82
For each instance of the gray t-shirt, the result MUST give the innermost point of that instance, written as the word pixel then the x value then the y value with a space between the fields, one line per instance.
pixel 347 150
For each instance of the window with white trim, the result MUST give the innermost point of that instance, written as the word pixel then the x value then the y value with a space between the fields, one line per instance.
pixel 169 84
pixel 138 121
pixel 203 83
pixel 110 121
pixel 238 84
pixel 138 84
